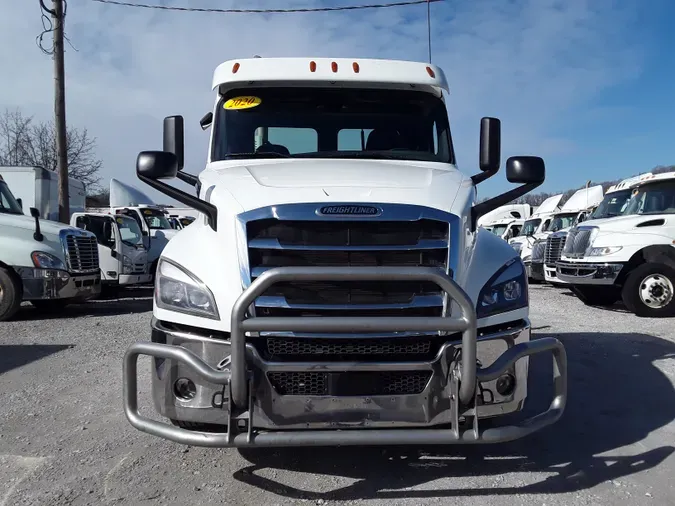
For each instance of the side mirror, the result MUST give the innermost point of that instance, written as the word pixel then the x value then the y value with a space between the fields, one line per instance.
pixel 35 213
pixel 156 165
pixel 108 234
pixel 174 139
pixel 525 169
pixel 490 148
pixel 20 202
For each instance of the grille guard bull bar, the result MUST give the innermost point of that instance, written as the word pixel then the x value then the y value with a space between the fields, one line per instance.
pixel 238 383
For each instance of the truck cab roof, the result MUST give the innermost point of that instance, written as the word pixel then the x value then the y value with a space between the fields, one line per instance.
pixel 330 71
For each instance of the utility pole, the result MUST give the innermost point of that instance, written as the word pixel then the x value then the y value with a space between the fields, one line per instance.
pixel 58 17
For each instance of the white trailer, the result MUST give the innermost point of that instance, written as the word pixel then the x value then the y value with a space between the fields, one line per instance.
pixel 35 187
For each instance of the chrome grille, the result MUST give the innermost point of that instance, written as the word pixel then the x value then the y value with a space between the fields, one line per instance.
pixel 578 240
pixel 538 251
pixel 554 247
pixel 280 243
pixel 82 253
pixel 350 383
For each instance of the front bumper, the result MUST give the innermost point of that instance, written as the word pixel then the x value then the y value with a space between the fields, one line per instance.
pixel 233 388
pixel 46 284
pixel 582 273
pixel 134 279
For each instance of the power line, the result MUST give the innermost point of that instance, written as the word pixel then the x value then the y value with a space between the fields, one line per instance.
pixel 266 11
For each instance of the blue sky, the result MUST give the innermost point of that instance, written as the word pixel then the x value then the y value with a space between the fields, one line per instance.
pixel 587 84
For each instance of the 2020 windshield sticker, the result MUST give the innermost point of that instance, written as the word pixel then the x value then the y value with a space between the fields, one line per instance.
pixel 237 103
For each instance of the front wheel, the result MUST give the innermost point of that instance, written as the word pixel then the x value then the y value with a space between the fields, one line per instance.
pixel 10 295
pixel 649 290
pixel 596 295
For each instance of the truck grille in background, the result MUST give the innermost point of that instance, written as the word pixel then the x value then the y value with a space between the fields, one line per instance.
pixel 538 252
pixel 139 268
pixel 350 384
pixel 276 243
pixel 554 247
pixel 82 254
pixel 577 242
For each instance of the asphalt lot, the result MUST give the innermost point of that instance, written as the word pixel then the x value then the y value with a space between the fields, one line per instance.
pixel 64 438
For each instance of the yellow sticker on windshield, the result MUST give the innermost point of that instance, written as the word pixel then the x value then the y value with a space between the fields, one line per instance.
pixel 237 103
pixel 120 221
pixel 147 212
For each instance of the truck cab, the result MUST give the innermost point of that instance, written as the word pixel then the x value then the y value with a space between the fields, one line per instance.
pixel 41 261
pixel 630 254
pixel 123 259
pixel 532 229
pixel 337 289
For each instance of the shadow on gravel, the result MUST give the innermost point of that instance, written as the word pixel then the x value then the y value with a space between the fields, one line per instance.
pixel 110 303
pixel 18 355
pixel 617 396
pixel 617 307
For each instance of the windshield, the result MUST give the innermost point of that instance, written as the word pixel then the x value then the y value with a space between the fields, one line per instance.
pixel 155 219
pixel 561 221
pixel 653 198
pixel 499 229
pixel 8 203
pixel 530 227
pixel 130 232
pixel 612 205
pixel 332 123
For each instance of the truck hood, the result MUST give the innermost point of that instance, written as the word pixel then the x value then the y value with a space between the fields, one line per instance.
pixel 22 221
pixel 260 183
pixel 627 223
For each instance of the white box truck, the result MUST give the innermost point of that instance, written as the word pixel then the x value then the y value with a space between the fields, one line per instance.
pixel 39 188
pixel 337 289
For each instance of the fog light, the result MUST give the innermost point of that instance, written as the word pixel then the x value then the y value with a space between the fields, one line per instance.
pixel 506 384
pixel 184 389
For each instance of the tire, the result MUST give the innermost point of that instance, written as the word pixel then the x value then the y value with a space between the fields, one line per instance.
pixel 10 295
pixel 596 295
pixel 649 291
pixel 50 305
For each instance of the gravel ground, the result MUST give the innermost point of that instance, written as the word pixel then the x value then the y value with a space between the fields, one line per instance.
pixel 64 438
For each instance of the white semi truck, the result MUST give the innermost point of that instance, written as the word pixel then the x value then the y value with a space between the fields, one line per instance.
pixel 47 263
pixel 630 255
pixel 534 226
pixel 337 289
pixel 123 258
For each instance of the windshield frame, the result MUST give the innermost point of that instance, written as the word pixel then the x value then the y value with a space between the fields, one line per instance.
pixel 6 194
pixel 522 229
pixel 128 219
pixel 442 132
pixel 154 213
pixel 570 214
pixel 667 185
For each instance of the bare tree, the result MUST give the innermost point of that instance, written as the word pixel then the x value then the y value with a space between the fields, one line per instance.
pixel 24 141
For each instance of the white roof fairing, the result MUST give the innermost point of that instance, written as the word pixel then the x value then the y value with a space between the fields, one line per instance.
pixel 254 71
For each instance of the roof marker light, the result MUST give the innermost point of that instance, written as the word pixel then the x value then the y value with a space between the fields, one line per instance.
pixel 431 72
pixel 355 66
pixel 312 66
pixel 333 66
pixel 235 67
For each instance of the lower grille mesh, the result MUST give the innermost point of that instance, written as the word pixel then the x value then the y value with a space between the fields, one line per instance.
pixel 349 383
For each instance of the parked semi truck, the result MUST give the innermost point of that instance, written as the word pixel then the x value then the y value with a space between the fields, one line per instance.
pixel 35 187
pixel 123 258
pixel 534 226
pixel 629 256
pixel 41 261
pixel 337 289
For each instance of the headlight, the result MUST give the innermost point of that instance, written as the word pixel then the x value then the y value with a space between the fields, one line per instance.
pixel 178 290
pixel 44 260
pixel 505 291
pixel 607 250
pixel 127 265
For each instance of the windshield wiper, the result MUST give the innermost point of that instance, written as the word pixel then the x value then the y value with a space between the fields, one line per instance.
pixel 265 154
